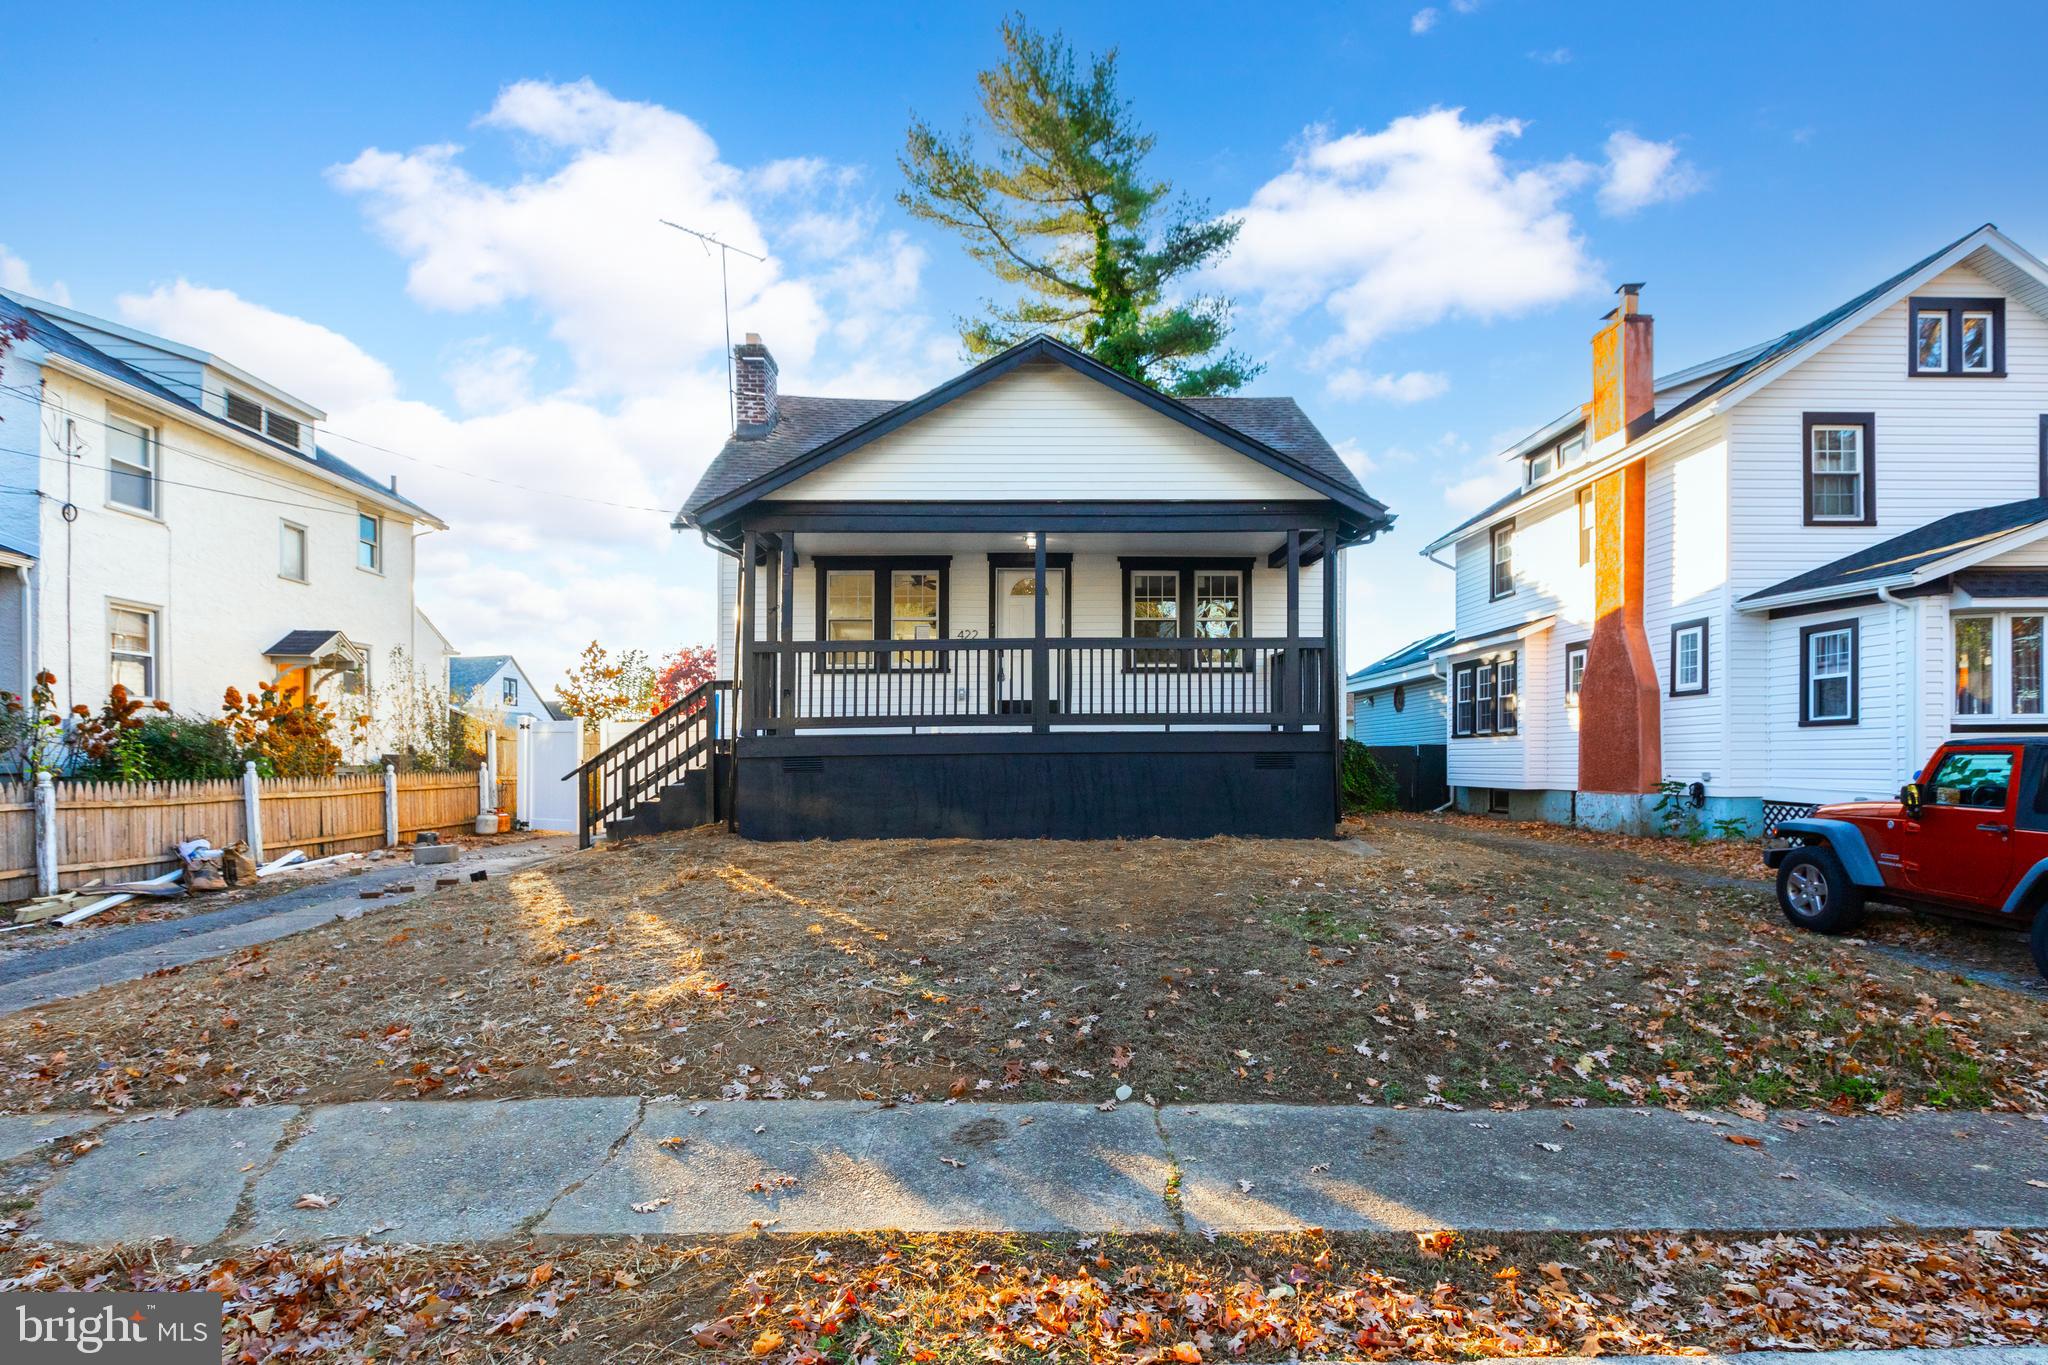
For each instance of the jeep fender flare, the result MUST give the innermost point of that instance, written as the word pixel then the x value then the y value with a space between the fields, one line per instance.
pixel 2031 890
pixel 1847 842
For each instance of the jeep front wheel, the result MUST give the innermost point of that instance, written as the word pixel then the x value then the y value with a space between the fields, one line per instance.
pixel 1815 892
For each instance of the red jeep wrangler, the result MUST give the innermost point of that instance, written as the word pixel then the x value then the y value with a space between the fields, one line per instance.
pixel 1971 836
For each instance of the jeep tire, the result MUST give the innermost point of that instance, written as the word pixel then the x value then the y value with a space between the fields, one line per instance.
pixel 1815 892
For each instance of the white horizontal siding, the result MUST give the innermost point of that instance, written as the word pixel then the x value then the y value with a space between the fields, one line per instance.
pixel 1044 432
pixel 1685 578
pixel 1942 445
pixel 1836 762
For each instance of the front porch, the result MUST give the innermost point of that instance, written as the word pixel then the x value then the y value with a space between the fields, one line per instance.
pixel 1071 673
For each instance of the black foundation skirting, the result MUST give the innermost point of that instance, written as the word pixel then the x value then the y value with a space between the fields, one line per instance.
pixel 1072 786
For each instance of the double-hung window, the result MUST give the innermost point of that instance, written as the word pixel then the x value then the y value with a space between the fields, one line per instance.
pixel 1688 663
pixel 1502 583
pixel 1956 338
pixel 369 542
pixel 132 648
pixel 1583 505
pixel 1828 674
pixel 1187 600
pixel 508 691
pixel 131 465
pixel 1574 671
pixel 1995 665
pixel 1840 468
pixel 879 600
pixel 1486 697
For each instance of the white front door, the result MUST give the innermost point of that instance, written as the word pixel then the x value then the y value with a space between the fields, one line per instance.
pixel 1016 619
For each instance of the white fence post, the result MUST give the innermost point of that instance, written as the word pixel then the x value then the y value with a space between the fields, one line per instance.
pixel 390 807
pixel 491 768
pixel 252 809
pixel 486 799
pixel 46 835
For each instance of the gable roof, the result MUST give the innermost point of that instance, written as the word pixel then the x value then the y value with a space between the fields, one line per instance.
pixel 811 432
pixel 46 329
pixel 1740 366
pixel 1904 558
pixel 468 672
pixel 1408 656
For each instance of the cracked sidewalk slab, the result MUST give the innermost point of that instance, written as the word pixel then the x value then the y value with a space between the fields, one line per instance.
pixel 162 1175
pixel 440 1171
pixel 1611 1169
pixel 823 1166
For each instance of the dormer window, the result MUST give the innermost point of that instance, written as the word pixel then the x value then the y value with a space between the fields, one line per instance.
pixel 1957 338
pixel 1541 466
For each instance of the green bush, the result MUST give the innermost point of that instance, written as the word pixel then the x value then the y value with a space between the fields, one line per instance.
pixel 168 749
pixel 1368 786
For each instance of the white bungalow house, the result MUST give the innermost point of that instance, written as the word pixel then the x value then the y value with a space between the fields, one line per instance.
pixel 1040 600
pixel 1778 578
pixel 174 525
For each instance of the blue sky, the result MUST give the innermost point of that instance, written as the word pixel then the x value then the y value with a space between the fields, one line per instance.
pixel 437 224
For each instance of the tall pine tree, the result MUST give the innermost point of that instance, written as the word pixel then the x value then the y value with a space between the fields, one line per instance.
pixel 1066 212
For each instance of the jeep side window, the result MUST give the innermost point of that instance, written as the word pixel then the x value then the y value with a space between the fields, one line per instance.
pixel 1972 779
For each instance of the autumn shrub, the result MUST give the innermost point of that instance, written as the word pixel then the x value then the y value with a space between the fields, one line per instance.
pixel 32 735
pixel 284 734
pixel 1368 786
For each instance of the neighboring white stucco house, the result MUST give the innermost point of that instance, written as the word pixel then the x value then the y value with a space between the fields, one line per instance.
pixel 495 685
pixel 185 532
pixel 1785 575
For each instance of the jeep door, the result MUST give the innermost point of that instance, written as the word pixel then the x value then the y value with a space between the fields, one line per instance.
pixel 1960 849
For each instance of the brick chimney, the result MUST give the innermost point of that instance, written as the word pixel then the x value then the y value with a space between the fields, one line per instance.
pixel 1620 705
pixel 753 385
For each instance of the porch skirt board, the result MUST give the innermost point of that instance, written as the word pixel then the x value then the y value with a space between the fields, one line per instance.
pixel 1274 786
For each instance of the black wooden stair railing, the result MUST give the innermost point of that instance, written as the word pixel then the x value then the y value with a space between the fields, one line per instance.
pixel 645 781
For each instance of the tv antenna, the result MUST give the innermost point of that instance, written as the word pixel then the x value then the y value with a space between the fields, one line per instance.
pixel 725 299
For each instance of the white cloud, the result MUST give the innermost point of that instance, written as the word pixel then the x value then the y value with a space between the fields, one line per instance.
pixel 1404 227
pixel 14 274
pixel 1357 456
pixel 1552 56
pixel 633 301
pixel 1475 484
pixel 316 363
pixel 1640 172
pixel 1423 20
pixel 558 496
pixel 1411 387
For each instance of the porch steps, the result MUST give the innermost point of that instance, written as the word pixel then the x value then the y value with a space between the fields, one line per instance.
pixel 679 805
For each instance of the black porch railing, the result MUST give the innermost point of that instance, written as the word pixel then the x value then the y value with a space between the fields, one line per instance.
pixel 871 684
pixel 615 780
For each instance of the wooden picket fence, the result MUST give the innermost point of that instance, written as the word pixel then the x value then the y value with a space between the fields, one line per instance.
pixel 126 831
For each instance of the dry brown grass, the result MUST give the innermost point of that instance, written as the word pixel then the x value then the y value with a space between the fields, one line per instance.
pixel 963 1297
pixel 1429 972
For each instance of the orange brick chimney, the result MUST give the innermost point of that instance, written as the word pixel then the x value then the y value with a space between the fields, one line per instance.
pixel 1620 717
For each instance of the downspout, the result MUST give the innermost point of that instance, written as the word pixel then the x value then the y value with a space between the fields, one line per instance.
pixel 1905 744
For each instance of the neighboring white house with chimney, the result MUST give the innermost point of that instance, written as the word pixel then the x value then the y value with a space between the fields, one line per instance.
pixel 1785 575
pixel 175 526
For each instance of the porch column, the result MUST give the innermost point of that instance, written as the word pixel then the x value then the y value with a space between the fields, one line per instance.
pixel 785 663
pixel 1041 656
pixel 750 704
pixel 1290 671
pixel 1332 676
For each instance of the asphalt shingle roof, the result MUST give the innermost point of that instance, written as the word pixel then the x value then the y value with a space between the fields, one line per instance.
pixel 1923 545
pixel 805 424
pixel 468 672
pixel 1769 353
pixel 299 642
pixel 52 335
pixel 1407 656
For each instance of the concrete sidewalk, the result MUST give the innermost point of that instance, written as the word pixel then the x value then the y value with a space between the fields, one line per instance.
pixel 447 1171
pixel 132 951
